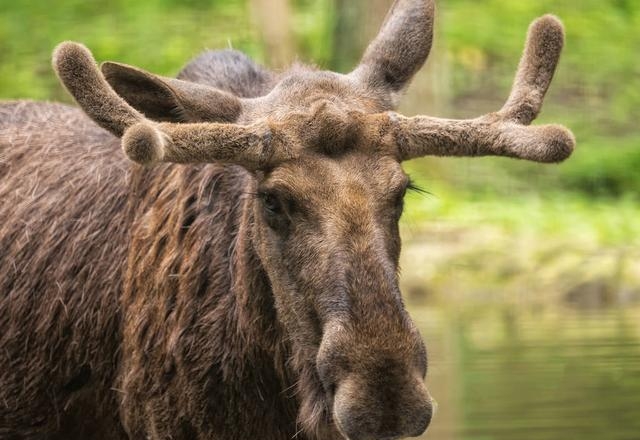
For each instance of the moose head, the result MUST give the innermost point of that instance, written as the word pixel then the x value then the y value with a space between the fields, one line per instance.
pixel 325 152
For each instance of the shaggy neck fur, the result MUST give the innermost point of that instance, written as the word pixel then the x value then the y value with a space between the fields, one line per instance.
pixel 200 324
pixel 198 305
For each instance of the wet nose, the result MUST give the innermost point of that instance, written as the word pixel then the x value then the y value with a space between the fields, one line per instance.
pixel 364 415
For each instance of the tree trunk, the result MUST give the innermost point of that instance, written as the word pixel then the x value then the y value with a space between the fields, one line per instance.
pixel 273 19
pixel 356 23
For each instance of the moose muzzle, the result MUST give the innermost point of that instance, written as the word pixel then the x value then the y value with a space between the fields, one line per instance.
pixel 376 384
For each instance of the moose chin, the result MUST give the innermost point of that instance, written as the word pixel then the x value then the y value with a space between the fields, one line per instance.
pixel 233 274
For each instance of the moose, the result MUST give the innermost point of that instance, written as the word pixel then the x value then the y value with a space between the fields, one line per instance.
pixel 234 274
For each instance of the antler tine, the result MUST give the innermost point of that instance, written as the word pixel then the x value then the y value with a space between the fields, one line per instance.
pixel 144 141
pixel 545 40
pixel 399 50
pixel 77 70
pixel 504 133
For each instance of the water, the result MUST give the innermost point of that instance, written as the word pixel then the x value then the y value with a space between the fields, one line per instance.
pixel 500 372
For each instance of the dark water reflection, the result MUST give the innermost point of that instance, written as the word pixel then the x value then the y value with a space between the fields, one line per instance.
pixel 498 372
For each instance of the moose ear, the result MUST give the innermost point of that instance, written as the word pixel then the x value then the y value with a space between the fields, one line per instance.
pixel 400 48
pixel 169 99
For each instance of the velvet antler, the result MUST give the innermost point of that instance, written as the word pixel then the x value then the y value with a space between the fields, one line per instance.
pixel 399 50
pixel 506 132
pixel 254 146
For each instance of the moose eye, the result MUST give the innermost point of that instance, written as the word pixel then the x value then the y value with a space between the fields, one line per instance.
pixel 276 214
pixel 398 196
pixel 271 203
pixel 399 200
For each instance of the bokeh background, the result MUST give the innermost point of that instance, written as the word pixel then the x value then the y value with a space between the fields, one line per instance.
pixel 524 278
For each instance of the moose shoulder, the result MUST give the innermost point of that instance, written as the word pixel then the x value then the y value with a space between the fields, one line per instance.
pixel 251 292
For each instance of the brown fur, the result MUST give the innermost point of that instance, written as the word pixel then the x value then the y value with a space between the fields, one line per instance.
pixel 253 299
pixel 63 234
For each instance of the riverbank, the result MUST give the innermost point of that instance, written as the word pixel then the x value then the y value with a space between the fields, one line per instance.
pixel 529 249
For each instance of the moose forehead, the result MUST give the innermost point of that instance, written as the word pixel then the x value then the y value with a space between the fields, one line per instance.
pixel 303 90
pixel 322 112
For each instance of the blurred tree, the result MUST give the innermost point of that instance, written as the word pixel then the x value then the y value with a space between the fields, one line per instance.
pixel 273 19
pixel 356 23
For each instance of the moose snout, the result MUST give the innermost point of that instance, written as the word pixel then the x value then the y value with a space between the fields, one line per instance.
pixel 376 393
pixel 364 413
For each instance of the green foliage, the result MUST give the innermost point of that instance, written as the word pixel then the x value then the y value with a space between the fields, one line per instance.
pixel 605 167
pixel 312 27
pixel 158 35
pixel 557 216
